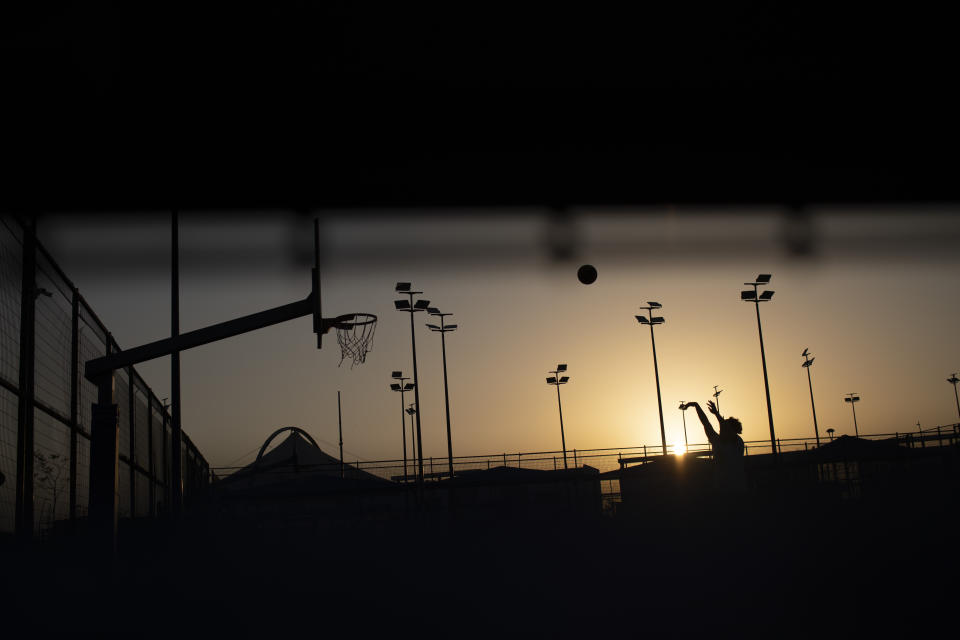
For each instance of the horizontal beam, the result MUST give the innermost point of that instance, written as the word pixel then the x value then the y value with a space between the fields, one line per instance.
pixel 106 364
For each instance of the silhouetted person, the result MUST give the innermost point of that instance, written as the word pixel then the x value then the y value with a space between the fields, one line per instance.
pixel 727 449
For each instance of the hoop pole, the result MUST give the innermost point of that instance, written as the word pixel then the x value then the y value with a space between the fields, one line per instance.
pixel 340 428
pixel 181 342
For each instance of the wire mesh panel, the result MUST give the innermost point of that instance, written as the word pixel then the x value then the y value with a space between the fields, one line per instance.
pixel 51 471
pixel 83 476
pixel 122 398
pixel 91 345
pixel 158 427
pixel 168 449
pixel 11 263
pixel 11 260
pixel 8 458
pixel 53 337
pixel 184 469
pixel 142 492
pixel 124 484
pixel 54 393
pixel 142 440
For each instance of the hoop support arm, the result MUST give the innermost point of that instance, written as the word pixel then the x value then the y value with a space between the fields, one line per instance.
pixel 106 364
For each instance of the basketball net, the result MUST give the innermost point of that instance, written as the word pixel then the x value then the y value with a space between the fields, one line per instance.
pixel 355 336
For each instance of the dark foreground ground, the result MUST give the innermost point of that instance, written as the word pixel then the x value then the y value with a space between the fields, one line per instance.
pixel 760 567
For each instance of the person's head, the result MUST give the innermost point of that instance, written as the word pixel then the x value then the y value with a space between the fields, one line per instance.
pixel 730 427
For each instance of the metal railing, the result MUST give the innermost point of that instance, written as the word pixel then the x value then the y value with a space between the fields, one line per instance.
pixel 604 459
pixel 66 333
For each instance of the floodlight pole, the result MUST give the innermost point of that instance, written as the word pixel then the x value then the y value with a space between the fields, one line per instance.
pixel 446 392
pixel 413 434
pixel 808 361
pixel 403 421
pixel 716 396
pixel 563 440
pixel 853 399
pixel 683 412
pixel 403 432
pixel 763 360
pixel 656 374
pixel 416 382
pixel 443 329
pixel 953 379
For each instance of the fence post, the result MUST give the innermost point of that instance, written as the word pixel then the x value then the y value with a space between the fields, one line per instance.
pixel 24 505
pixel 131 425
pixel 504 459
pixel 150 471
pixel 176 430
pixel 104 461
pixel 74 399
pixel 939 440
pixel 574 458
pixel 165 459
pixel 518 459
pixel 554 463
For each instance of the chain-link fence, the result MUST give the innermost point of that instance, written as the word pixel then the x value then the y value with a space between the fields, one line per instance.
pixel 65 334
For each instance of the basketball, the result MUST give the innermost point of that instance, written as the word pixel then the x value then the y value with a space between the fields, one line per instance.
pixel 587 274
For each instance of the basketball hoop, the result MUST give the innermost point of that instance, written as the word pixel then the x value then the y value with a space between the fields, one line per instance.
pixel 355 335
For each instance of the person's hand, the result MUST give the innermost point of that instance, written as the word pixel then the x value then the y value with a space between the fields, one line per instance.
pixel 713 408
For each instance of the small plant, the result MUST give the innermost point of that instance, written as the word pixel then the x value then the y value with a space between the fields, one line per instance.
pixel 48 474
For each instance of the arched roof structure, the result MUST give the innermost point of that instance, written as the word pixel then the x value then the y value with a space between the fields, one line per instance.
pixel 278 432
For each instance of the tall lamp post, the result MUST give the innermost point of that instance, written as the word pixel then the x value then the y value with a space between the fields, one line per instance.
pixel 853 399
pixel 443 330
pixel 402 387
pixel 652 320
pixel 404 288
pixel 953 379
pixel 807 361
pixel 412 411
pixel 756 297
pixel 716 396
pixel 557 381
pixel 683 409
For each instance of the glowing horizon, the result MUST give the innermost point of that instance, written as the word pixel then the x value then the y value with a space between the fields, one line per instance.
pixel 516 322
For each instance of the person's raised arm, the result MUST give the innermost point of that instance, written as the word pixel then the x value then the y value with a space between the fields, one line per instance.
pixel 712 436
